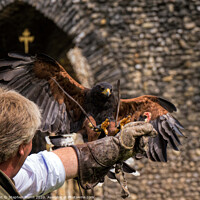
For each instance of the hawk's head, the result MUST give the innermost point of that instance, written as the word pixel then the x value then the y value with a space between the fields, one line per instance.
pixel 102 90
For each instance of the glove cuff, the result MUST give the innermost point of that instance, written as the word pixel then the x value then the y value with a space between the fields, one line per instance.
pixel 96 158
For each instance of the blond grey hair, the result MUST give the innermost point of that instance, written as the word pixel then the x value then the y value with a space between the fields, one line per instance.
pixel 19 120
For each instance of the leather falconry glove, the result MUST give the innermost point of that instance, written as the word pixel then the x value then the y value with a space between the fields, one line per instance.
pixel 96 158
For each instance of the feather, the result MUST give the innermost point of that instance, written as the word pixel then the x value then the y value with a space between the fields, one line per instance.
pixel 35 92
pixel 151 148
pixel 167 105
pixel 7 75
pixel 21 56
pixel 149 154
pixel 46 123
pixel 160 149
pixel 170 132
pixel 42 95
pixel 19 81
pixel 174 124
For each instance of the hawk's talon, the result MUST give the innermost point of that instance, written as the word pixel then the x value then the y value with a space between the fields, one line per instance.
pixel 104 126
pixel 124 121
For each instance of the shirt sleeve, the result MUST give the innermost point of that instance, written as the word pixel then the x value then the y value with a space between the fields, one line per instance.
pixel 40 174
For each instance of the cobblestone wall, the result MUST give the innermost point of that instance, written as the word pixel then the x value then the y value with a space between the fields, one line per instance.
pixel 154 48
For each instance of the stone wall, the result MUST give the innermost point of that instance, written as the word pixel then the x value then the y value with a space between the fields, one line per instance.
pixel 153 47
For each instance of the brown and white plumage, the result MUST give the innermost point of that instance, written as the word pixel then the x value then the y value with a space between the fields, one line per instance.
pixel 32 77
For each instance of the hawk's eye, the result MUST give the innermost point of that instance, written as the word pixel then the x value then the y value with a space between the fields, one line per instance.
pixel 110 90
pixel 102 88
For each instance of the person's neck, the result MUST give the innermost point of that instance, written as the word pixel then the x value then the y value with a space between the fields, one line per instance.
pixel 9 167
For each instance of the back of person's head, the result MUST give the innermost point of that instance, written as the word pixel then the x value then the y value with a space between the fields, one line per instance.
pixel 19 120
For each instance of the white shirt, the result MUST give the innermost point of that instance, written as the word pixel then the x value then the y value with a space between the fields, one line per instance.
pixel 40 174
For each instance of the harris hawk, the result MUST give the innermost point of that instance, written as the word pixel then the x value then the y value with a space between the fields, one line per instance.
pixel 36 78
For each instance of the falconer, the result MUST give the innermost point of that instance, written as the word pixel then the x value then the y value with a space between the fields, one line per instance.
pixel 23 175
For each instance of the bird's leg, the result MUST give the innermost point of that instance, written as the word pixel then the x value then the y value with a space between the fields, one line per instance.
pixel 113 130
pixel 104 126
pixel 124 121
pixel 99 128
pixel 90 129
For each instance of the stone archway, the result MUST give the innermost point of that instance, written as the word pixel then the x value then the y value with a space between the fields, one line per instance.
pixel 48 38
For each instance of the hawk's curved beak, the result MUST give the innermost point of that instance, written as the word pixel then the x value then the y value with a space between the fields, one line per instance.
pixel 106 92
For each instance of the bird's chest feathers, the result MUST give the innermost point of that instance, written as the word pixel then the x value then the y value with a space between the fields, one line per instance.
pixel 95 106
pixel 99 106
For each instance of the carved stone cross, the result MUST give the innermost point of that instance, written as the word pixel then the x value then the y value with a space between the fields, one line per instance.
pixel 26 38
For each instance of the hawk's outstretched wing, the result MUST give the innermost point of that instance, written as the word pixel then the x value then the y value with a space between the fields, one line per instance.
pixel 31 76
pixel 165 124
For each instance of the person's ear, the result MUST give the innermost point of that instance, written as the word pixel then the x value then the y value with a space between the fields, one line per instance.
pixel 21 150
